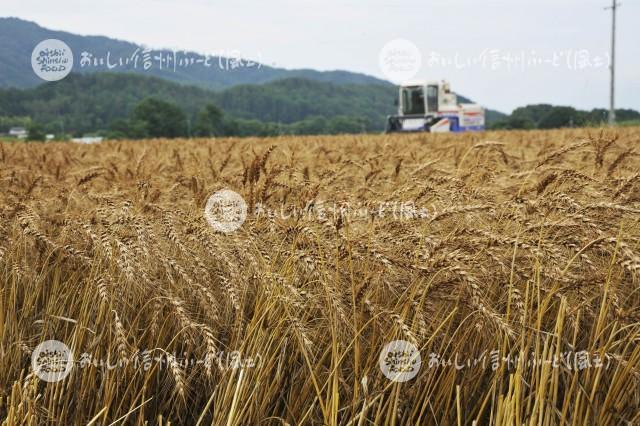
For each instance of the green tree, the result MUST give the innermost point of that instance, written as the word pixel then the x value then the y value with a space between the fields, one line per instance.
pixel 36 133
pixel 127 129
pixel 209 122
pixel 562 116
pixel 6 123
pixel 534 113
pixel 627 115
pixel 346 124
pixel 513 122
pixel 159 119
pixel 310 126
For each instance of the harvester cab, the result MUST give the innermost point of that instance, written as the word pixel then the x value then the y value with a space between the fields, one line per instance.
pixel 433 107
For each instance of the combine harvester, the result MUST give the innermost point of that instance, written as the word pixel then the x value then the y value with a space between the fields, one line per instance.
pixel 437 111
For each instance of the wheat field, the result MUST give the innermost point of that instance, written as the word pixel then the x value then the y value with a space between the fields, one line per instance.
pixel 509 259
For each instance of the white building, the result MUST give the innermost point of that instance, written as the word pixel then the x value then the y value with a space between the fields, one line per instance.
pixel 18 132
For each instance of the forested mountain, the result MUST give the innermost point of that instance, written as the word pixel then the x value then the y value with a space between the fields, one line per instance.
pixel 90 102
pixel 18 38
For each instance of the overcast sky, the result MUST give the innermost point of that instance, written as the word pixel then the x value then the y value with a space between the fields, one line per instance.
pixel 472 43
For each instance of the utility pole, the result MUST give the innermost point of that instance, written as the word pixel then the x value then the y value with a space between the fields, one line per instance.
pixel 612 110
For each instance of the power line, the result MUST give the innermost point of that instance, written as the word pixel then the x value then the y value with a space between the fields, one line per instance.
pixel 612 110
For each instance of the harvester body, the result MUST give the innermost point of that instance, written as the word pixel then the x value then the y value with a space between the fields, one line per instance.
pixel 431 106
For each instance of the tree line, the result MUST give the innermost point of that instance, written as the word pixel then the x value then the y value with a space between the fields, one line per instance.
pixel 155 118
pixel 111 105
pixel 546 116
